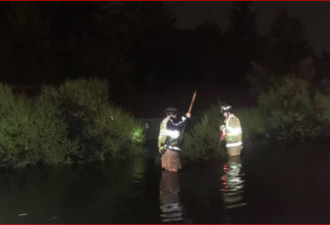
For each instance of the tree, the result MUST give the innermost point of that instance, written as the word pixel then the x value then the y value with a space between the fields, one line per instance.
pixel 144 30
pixel 25 49
pixel 242 39
pixel 84 48
pixel 242 22
pixel 209 42
pixel 289 43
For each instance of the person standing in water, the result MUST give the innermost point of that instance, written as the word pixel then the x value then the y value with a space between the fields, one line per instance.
pixel 168 141
pixel 231 131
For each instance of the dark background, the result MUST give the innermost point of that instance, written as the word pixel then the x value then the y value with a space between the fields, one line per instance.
pixel 155 54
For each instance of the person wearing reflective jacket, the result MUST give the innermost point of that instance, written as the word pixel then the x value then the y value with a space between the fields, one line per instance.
pixel 231 131
pixel 168 141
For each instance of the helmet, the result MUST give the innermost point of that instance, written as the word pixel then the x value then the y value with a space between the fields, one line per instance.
pixel 171 110
pixel 226 108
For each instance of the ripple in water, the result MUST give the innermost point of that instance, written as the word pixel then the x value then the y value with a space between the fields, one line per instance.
pixel 170 205
pixel 233 183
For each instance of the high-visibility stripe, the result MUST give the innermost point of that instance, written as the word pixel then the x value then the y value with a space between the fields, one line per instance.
pixel 171 133
pixel 175 148
pixel 234 131
pixel 234 144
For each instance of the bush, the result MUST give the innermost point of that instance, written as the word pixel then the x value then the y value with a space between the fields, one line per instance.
pixel 54 146
pixel 322 114
pixel 121 135
pixel 252 122
pixel 202 143
pixel 74 122
pixel 31 131
pixel 16 135
pixel 103 130
pixel 288 108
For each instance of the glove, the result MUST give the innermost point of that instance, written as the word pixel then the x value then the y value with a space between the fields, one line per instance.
pixel 162 149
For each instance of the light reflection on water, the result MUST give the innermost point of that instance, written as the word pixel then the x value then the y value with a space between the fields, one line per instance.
pixel 170 205
pixel 233 183
pixel 276 186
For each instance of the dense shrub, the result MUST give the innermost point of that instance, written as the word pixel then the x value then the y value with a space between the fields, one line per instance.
pixel 32 131
pixel 120 134
pixel 54 145
pixel 103 130
pixel 321 114
pixel 202 142
pixel 252 122
pixel 74 122
pixel 288 108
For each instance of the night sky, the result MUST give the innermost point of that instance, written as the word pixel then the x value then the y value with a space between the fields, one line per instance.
pixel 314 15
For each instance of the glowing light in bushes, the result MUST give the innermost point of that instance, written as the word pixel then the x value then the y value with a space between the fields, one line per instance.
pixel 137 135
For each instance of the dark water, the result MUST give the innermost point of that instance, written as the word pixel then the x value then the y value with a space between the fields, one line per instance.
pixel 273 184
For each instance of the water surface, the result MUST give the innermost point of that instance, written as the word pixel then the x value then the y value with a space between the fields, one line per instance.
pixel 272 184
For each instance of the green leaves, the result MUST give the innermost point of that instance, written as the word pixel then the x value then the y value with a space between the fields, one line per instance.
pixel 202 143
pixel 103 130
pixel 74 122
pixel 32 131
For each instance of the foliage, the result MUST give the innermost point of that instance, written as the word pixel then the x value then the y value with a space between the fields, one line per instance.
pixel 103 130
pixel 74 122
pixel 287 107
pixel 242 40
pixel 322 113
pixel 289 42
pixel 122 41
pixel 291 110
pixel 242 21
pixel 202 142
pixel 32 131
pixel 252 122
pixel 120 135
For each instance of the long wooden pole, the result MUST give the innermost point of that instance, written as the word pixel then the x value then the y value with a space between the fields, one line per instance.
pixel 192 102
pixel 189 111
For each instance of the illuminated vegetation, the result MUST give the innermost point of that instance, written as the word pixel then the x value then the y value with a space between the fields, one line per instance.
pixel 72 123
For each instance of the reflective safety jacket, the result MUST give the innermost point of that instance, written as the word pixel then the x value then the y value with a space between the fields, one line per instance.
pixel 232 131
pixel 169 133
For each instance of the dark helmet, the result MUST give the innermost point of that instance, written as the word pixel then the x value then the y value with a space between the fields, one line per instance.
pixel 171 110
pixel 226 108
